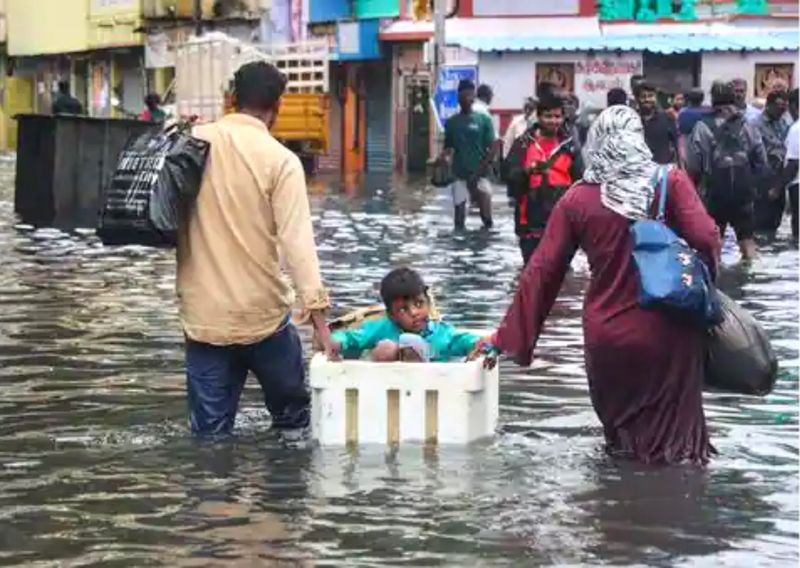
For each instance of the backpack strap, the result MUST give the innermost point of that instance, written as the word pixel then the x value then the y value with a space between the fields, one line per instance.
pixel 662 199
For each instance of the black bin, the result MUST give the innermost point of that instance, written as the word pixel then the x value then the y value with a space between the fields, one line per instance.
pixel 63 164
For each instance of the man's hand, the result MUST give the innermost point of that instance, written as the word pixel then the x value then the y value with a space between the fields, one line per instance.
pixel 774 193
pixel 322 335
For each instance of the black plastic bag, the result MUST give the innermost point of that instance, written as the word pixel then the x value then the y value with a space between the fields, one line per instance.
pixel 157 175
pixel 740 359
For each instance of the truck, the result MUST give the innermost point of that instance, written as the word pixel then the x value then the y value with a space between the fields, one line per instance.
pixel 204 69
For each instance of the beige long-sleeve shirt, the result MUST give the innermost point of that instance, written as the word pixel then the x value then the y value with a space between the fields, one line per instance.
pixel 252 207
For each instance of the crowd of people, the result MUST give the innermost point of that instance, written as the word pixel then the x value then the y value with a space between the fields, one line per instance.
pixel 743 160
pixel 573 188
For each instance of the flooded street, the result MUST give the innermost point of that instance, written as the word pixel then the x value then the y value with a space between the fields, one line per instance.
pixel 97 467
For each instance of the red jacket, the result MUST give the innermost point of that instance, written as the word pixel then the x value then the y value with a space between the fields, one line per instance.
pixel 540 151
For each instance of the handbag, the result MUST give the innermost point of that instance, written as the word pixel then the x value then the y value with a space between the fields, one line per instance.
pixel 740 358
pixel 672 276
pixel 158 174
pixel 441 173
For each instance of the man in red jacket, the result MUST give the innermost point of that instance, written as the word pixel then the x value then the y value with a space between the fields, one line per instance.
pixel 542 164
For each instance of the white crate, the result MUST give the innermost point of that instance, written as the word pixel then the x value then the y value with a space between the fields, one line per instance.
pixel 379 403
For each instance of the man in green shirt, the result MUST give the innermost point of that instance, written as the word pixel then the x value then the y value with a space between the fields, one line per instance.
pixel 469 142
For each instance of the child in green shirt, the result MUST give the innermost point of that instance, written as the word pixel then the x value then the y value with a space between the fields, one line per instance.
pixel 406 332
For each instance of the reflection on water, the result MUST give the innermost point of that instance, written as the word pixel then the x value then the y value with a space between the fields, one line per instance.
pixel 96 466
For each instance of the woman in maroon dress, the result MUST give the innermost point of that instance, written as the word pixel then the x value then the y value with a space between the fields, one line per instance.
pixel 645 369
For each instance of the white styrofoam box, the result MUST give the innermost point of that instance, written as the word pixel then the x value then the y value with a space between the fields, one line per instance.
pixel 365 402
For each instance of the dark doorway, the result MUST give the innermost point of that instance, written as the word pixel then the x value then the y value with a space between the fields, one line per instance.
pixel 418 150
pixel 674 72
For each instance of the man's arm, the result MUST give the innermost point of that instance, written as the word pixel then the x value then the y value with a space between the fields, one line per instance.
pixel 447 149
pixel 790 168
pixel 789 172
pixel 758 152
pixel 289 200
pixel 674 141
pixel 490 144
pixel 697 149
pixel 576 170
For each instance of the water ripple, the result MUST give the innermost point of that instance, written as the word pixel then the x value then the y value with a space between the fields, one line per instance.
pixel 96 467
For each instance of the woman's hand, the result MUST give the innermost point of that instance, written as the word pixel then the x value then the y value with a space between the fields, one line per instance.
pixel 485 347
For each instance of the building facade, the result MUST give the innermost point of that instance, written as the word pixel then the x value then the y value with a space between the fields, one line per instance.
pixel 112 52
pixel 95 45
pixel 360 84
pixel 589 47
pixel 168 23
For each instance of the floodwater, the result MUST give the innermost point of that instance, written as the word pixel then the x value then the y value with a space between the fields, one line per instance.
pixel 97 469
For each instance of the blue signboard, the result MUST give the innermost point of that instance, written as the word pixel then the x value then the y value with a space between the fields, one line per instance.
pixel 357 40
pixel 445 99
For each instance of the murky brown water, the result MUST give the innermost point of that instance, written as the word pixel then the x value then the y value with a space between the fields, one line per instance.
pixel 97 469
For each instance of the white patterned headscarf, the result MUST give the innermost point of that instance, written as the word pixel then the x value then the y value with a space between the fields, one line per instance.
pixel 619 160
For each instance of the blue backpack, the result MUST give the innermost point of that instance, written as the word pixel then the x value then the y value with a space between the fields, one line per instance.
pixel 671 274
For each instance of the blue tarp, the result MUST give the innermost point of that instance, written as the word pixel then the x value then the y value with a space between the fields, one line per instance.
pixel 675 43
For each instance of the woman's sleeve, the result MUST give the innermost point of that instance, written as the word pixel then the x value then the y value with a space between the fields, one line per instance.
pixel 687 215
pixel 539 285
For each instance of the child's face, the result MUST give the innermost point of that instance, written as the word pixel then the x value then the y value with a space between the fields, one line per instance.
pixel 411 314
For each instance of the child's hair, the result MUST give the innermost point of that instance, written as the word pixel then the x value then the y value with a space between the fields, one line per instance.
pixel 402 283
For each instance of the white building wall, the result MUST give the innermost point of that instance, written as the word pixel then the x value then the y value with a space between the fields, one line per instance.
pixel 725 65
pixel 512 75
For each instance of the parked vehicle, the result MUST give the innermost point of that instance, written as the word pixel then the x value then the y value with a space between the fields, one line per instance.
pixel 204 69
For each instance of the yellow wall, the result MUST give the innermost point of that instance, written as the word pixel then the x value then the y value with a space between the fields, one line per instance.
pixel 18 100
pixel 46 26
pixel 112 23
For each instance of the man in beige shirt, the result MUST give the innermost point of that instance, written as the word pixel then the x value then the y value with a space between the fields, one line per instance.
pixel 251 216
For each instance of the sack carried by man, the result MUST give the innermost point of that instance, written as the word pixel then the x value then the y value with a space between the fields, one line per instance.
pixel 672 275
pixel 157 175
pixel 740 359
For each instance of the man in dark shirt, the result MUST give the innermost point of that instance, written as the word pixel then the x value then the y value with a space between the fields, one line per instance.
pixel 660 131
pixel 636 80
pixel 771 196
pixel 64 102
pixel 694 111
pixel 469 143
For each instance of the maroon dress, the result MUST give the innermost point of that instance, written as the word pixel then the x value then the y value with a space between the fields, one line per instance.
pixel 645 368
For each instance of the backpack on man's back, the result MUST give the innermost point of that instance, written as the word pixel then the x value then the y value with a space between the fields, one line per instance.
pixel 730 178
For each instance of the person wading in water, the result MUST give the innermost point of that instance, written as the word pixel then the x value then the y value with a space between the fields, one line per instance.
pixel 250 220
pixel 540 167
pixel 645 368
pixel 469 141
